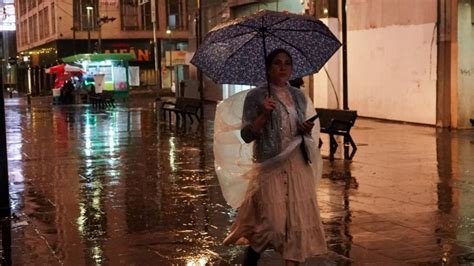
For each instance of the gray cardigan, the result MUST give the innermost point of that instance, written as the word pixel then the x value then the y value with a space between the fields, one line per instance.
pixel 268 141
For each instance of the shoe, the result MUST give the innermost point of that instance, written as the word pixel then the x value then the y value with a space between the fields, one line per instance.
pixel 251 257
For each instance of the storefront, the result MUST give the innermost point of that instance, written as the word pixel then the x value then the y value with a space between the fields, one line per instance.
pixel 107 72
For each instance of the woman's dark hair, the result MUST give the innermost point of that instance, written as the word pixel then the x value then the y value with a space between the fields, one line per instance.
pixel 273 54
pixel 297 83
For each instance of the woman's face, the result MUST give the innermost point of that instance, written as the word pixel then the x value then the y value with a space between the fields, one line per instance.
pixel 280 69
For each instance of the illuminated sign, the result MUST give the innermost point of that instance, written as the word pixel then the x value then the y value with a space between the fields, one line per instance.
pixel 7 15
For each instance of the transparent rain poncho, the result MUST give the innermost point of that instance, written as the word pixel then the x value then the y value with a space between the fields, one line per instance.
pixel 237 165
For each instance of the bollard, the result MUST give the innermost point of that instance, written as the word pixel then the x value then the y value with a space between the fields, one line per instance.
pixel 28 99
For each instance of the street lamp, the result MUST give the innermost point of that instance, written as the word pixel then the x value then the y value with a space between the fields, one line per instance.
pixel 4 185
pixel 198 43
pixel 89 10
pixel 345 96
pixel 158 79
pixel 101 21
pixel 168 33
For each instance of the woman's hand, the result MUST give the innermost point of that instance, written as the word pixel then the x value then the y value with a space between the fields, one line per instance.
pixel 268 105
pixel 306 127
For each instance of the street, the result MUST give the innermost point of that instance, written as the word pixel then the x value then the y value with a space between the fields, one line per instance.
pixel 123 187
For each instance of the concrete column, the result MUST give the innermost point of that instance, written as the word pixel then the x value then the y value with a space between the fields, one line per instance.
pixel 464 108
pixel 446 113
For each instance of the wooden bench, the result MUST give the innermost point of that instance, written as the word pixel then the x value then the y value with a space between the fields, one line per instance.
pixel 336 122
pixel 182 108
pixel 102 100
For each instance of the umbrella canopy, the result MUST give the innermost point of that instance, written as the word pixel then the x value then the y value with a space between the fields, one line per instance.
pixel 64 72
pixel 234 52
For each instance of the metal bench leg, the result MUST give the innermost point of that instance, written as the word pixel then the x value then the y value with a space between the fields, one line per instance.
pixel 176 114
pixel 349 141
pixel 346 148
pixel 182 118
pixel 332 146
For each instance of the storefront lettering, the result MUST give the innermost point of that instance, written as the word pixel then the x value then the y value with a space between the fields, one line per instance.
pixel 140 54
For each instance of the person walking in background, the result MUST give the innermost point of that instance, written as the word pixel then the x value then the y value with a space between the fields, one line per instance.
pixel 279 208
pixel 67 90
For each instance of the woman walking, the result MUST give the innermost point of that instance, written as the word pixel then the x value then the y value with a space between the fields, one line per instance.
pixel 276 192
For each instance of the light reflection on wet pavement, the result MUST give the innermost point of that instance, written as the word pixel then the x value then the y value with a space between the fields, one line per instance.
pixel 120 187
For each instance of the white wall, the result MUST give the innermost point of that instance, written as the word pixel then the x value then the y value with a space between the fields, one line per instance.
pixel 327 83
pixel 392 72
pixel 392 59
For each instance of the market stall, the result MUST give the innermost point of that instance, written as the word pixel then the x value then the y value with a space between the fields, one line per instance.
pixel 106 72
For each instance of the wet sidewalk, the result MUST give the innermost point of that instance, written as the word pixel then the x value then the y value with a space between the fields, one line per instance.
pixel 121 187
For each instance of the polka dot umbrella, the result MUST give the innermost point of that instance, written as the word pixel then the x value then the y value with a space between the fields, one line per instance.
pixel 234 52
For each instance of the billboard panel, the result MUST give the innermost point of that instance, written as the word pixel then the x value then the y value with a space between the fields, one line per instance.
pixel 7 15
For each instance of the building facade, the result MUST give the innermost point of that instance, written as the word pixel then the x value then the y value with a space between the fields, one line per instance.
pixel 48 30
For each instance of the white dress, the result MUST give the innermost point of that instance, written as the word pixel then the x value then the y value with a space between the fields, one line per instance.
pixel 282 209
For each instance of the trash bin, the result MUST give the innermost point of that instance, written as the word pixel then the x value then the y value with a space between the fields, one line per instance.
pixel 99 83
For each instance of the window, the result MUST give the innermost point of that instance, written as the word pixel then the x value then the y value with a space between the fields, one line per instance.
pixel 30 29
pixel 53 19
pixel 24 32
pixel 22 7
pixel 85 14
pixel 18 34
pixel 31 4
pixel 136 16
pixel 35 28
pixel 175 11
pixel 41 30
pixel 45 22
